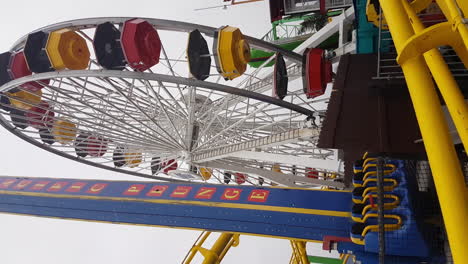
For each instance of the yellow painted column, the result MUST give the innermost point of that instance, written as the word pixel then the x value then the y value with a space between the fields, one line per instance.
pixel 445 81
pixel 219 246
pixel 454 11
pixel 445 166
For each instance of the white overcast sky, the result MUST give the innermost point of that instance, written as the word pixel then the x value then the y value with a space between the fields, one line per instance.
pixel 25 240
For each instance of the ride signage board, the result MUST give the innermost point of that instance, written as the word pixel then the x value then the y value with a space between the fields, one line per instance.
pixel 279 212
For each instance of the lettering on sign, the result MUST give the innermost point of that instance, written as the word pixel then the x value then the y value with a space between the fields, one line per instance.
pixel 22 184
pixel 258 196
pixel 157 190
pixel 205 193
pixel 135 189
pixel 232 194
pixel 57 186
pixel 76 187
pixel 181 191
pixel 39 185
pixel 96 188
pixel 200 193
pixel 6 183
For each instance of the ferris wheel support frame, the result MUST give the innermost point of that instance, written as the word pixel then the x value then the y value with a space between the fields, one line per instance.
pixel 288 180
pixel 329 165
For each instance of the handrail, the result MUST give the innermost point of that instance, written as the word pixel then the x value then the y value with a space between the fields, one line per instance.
pixel 393 167
pixel 369 173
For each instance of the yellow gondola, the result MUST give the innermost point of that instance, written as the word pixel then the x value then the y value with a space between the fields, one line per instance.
pixel 276 168
pixel 132 159
pixel 66 49
pixel 232 52
pixel 206 173
pixel 64 131
pixel 25 100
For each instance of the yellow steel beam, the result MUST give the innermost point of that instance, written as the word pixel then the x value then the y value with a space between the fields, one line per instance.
pixel 426 41
pixel 299 254
pixel 420 5
pixel 456 12
pixel 433 37
pixel 216 253
pixel 444 162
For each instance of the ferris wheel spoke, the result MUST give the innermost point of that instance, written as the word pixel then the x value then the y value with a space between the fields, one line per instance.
pixel 208 126
pixel 103 113
pixel 228 128
pixel 154 104
pixel 223 142
pixel 103 129
pixel 145 97
pixel 169 119
pixel 168 138
pixel 165 89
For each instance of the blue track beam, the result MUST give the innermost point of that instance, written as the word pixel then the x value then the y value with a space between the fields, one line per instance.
pixel 290 213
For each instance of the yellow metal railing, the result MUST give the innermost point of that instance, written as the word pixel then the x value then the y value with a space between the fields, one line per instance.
pixel 418 57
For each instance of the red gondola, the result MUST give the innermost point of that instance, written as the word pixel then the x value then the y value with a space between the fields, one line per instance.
pixel 240 177
pixel 19 68
pixel 316 72
pixel 40 116
pixel 312 173
pixel 96 146
pixel 141 44
pixel 172 167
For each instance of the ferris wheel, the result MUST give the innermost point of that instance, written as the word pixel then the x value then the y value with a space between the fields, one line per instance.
pixel 169 100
